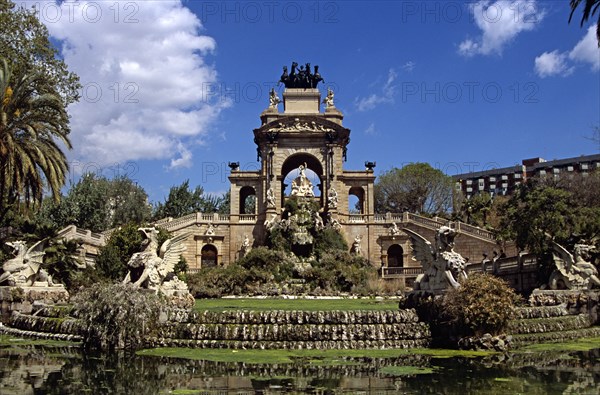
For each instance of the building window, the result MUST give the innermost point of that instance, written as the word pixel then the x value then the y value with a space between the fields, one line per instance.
pixel 481 184
pixel 492 187
pixel 569 168
pixel 505 177
pixel 492 179
pixel 556 171
pixel 542 173
pixel 584 166
pixel 517 175
pixel 469 189
pixel 469 182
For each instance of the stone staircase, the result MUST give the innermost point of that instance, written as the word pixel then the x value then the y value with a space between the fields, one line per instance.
pixel 555 316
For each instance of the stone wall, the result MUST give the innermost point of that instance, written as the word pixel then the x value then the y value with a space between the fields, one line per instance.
pixel 265 330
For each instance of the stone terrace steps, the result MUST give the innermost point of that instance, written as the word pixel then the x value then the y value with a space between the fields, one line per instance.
pixel 550 324
pixel 552 337
pixel 299 330
pixel 552 320
pixel 267 329
pixel 291 345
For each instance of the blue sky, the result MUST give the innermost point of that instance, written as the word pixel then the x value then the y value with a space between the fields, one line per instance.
pixel 174 89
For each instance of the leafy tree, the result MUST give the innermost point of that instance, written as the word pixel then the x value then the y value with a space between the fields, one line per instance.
pixel 590 8
pixel 183 201
pixel 97 203
pixel 113 257
pixel 417 187
pixel 25 44
pixel 536 210
pixel 31 122
pixel 224 207
pixel 481 210
pixel 60 261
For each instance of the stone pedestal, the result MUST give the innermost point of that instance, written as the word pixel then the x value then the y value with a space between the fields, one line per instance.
pixel 301 101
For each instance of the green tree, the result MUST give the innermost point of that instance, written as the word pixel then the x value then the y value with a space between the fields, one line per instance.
pixel 590 8
pixel 417 187
pixel 113 257
pixel 30 123
pixel 481 210
pixel 537 210
pixel 25 44
pixel 98 204
pixel 183 201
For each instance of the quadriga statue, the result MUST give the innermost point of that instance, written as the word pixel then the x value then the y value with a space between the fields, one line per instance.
pixel 442 266
pixel 24 270
pixel 573 271
pixel 156 271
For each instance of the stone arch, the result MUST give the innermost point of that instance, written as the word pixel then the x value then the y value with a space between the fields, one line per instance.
pixel 395 256
pixel 245 193
pixel 294 161
pixel 359 201
pixel 209 256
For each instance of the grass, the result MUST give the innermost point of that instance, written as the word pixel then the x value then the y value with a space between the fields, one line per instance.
pixel 10 341
pixel 584 344
pixel 249 304
pixel 314 357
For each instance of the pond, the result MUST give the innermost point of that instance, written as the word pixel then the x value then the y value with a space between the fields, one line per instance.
pixel 28 367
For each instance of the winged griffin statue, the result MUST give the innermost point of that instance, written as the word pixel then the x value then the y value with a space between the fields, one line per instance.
pixel 573 271
pixel 442 266
pixel 156 271
pixel 24 270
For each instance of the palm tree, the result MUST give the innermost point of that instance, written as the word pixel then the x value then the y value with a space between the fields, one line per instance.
pixel 30 124
pixel 589 9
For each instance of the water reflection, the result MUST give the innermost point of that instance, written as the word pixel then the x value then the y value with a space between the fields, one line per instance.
pixel 51 370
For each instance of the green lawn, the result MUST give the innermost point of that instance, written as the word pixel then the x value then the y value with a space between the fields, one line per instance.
pixel 294 304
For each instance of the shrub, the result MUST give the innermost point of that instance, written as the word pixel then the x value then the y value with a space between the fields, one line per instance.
pixel 482 304
pixel 117 316
pixel 340 271
pixel 329 240
pixel 272 263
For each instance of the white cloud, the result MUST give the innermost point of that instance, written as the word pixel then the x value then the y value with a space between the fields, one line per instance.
pixel 184 160
pixel 561 63
pixel 146 79
pixel 587 50
pixel 552 63
pixel 500 22
pixel 388 90
pixel 370 130
pixel 409 66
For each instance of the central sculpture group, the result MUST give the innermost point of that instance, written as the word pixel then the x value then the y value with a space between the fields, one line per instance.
pixel 301 77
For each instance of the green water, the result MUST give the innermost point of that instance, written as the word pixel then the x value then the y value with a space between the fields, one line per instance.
pixel 62 369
